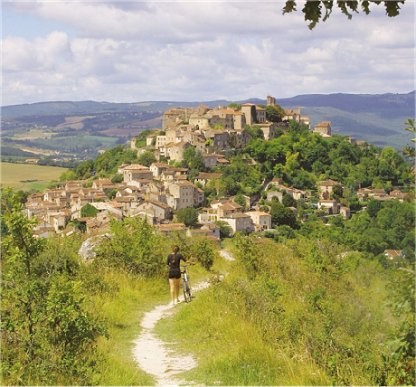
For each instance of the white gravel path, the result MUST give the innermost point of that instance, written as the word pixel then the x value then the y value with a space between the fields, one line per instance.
pixel 153 355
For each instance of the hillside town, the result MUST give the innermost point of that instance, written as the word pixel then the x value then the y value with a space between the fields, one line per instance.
pixel 158 191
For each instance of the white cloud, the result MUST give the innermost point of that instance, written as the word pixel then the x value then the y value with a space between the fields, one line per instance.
pixel 131 51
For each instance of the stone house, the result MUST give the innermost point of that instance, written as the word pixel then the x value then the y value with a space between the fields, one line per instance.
pixel 74 185
pixel 58 219
pixel 238 138
pixel 174 174
pixel 277 183
pixel 159 211
pixel 376 194
pixel 275 194
pixel 199 122
pixel 260 115
pixel 150 141
pixel 180 194
pixel 221 117
pixel 208 215
pixel 329 206
pixel 158 168
pixel 226 207
pixel 239 222
pixel 208 231
pixel 136 172
pixel 213 159
pixel 199 196
pixel 296 193
pixel 323 128
pixel 173 136
pixel 326 188
pixel 175 116
pixel 205 177
pixel 174 150
pixel 160 140
pixel 239 121
pixel 269 130
pixel 292 114
pixel 261 220
pixel 57 196
pixel 219 139
pixel 171 228
pixel 345 212
pixel 271 101
pixel 103 184
pixel 114 208
pixel 249 111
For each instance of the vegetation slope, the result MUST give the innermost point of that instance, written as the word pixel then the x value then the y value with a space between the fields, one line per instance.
pixel 313 302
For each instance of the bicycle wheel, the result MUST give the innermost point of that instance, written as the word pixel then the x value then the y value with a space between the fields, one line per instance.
pixel 185 288
pixel 189 288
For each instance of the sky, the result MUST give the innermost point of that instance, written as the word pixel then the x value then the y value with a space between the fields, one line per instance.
pixel 131 51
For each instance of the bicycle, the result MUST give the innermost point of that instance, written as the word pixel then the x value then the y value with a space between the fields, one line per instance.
pixel 186 285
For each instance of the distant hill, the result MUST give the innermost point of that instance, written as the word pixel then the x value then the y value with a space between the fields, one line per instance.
pixel 92 107
pixel 376 118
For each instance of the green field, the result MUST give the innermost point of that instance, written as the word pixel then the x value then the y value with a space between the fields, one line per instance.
pixel 28 177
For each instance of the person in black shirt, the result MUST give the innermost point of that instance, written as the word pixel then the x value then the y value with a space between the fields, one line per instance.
pixel 174 262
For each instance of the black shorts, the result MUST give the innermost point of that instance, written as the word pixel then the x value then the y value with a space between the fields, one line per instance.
pixel 175 274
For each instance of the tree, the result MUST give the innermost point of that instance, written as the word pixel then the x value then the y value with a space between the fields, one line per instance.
pixel 313 9
pixel 409 150
pixel 117 178
pixel 48 335
pixel 254 132
pixel 88 210
pixel 193 160
pixel 282 215
pixel 133 246
pixel 401 362
pixel 239 199
pixel 225 229
pixel 188 216
pixel 205 253
pixel 373 207
pixel 234 105
pixel 147 158
pixel 141 138
pixel 274 113
pixel 288 200
pixel 85 169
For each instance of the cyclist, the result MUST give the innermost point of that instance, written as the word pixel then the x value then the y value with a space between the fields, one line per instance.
pixel 174 262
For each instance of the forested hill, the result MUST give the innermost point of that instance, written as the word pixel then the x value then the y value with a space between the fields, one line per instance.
pixel 376 118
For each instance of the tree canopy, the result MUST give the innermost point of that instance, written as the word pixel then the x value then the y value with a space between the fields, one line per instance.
pixel 317 10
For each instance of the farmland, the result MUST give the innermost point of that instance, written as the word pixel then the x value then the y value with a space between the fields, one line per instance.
pixel 28 177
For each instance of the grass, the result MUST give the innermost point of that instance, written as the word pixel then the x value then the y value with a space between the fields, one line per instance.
pixel 267 331
pixel 123 312
pixel 230 350
pixel 28 177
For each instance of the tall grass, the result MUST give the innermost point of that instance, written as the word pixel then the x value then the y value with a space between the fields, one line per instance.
pixel 295 322
pixel 123 310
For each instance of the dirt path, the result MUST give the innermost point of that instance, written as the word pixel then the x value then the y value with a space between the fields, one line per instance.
pixel 153 355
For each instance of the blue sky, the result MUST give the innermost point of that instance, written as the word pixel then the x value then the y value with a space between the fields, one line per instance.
pixel 121 51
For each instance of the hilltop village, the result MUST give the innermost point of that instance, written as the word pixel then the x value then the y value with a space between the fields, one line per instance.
pixel 158 191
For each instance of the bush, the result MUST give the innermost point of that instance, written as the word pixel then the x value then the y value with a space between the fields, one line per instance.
pixel 187 216
pixel 133 246
pixel 205 254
